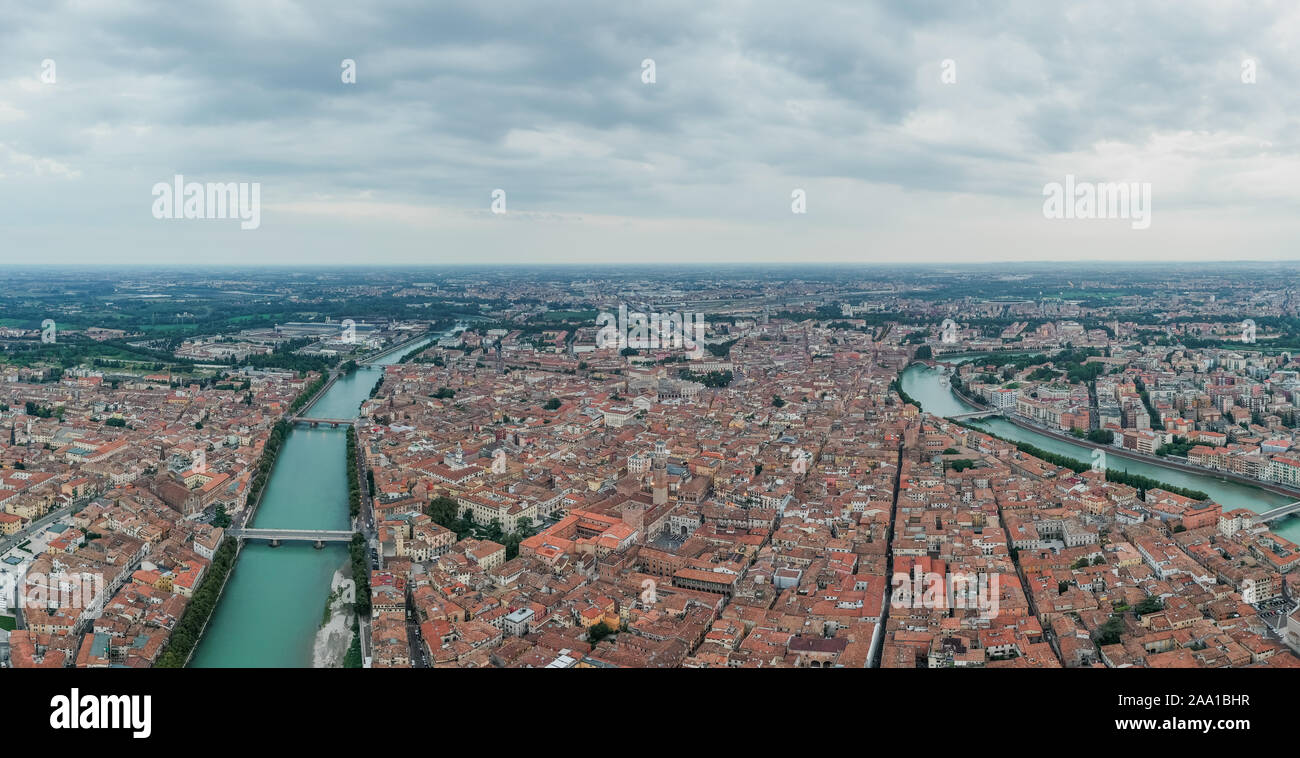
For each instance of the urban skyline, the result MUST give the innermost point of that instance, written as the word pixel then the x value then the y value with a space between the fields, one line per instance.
pixel 887 335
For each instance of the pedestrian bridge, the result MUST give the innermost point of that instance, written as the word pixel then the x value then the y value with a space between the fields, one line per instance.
pixel 1282 511
pixel 335 422
pixel 319 537
pixel 976 414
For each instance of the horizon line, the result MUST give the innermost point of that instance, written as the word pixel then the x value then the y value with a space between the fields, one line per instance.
pixel 634 265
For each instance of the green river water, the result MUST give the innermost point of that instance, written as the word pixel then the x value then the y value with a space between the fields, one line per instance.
pixel 274 601
pixel 925 386
pixel 275 598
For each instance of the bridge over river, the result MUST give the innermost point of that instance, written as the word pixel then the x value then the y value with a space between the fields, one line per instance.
pixel 314 421
pixel 1282 511
pixel 976 414
pixel 319 537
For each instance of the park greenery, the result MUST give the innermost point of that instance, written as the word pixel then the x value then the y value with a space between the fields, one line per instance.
pixel 709 379
pixel 446 512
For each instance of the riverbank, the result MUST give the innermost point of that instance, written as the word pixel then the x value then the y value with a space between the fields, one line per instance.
pixel 193 623
pixel 185 639
pixel 1155 460
pixel 1121 452
pixel 925 388
pixel 403 347
pixel 335 634
pixel 265 466
pixel 272 612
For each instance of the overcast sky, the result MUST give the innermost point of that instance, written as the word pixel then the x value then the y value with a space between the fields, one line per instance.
pixel 546 101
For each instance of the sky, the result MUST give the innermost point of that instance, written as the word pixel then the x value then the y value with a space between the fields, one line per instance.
pixel 913 131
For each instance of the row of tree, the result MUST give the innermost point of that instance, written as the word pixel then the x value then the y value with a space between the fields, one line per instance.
pixel 308 393
pixel 1137 481
pixel 267 461
pixel 360 573
pixel 189 629
pixel 354 485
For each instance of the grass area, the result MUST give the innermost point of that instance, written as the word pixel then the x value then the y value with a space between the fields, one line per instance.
pixel 8 623
pixel 35 323
pixel 569 316
pixel 165 328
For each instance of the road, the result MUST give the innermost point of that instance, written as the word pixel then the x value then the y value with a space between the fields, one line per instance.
pixel 419 660
pixel 889 564
pixel 365 523
pixel 12 541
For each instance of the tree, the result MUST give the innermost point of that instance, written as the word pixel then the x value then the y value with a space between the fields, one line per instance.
pixel 924 353
pixel 1103 436
pixel 444 511
pixel 1109 632
pixel 598 632
pixel 777 402
pixel 552 404
pixel 1149 604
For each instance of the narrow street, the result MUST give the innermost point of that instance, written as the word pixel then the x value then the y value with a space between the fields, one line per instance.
pixel 889 561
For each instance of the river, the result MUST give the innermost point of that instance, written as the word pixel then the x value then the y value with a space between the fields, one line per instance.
pixel 275 598
pixel 924 385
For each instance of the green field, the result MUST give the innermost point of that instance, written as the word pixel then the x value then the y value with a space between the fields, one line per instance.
pixel 569 316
